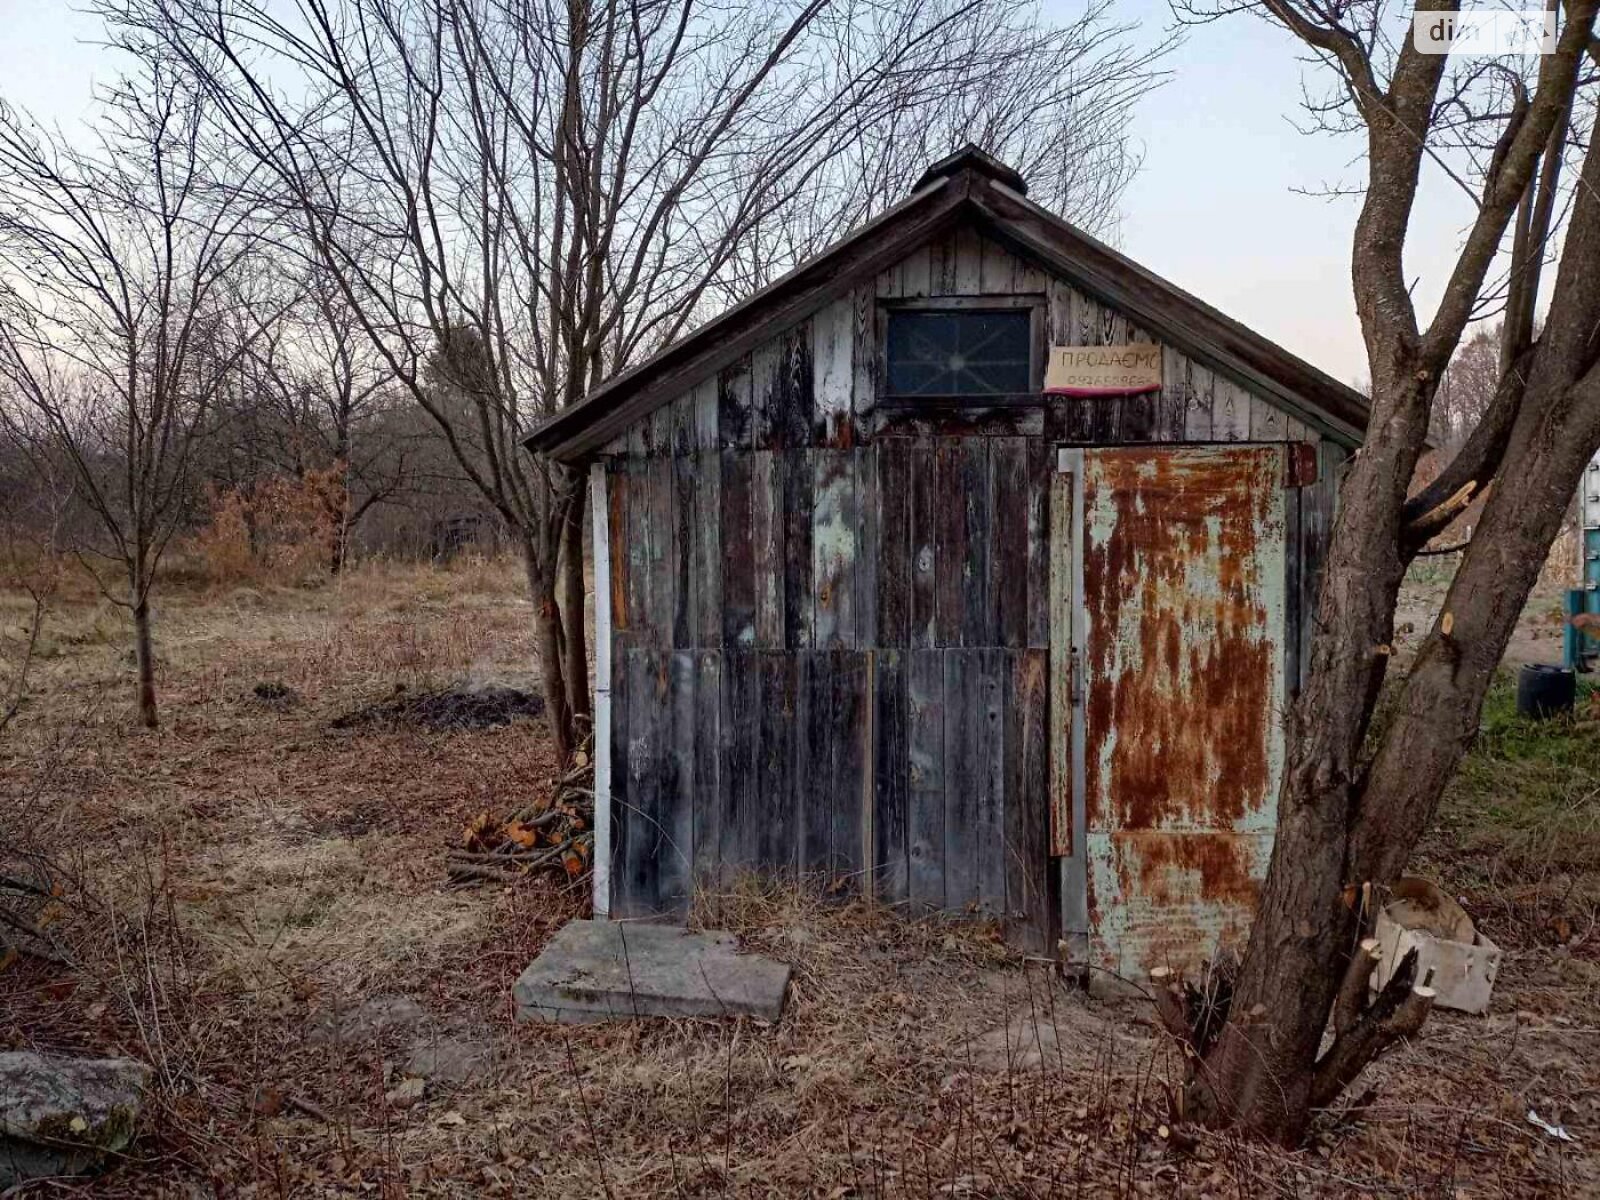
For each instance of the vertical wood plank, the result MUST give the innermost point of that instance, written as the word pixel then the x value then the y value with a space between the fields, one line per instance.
pixel 707 799
pixel 869 543
pixel 915 279
pixel 790 410
pixel 891 777
pixel 965 614
pixel 1085 319
pixel 766 393
pixel 863 359
pixel 658 431
pixel 767 544
pixel 814 779
pixel 1077 419
pixel 739 740
pixel 1174 402
pixel 835 526
pixel 997 268
pixel 1103 414
pixel 777 763
pixel 618 535
pixel 1058 314
pixel 989 761
pixel 846 841
pixel 1197 413
pixel 622 798
pixel 735 415
pixel 1008 458
pixel 707 563
pixel 1113 326
pixel 968 261
pixel 924 523
pixel 894 550
pixel 1031 278
pixel 942 267
pixel 648 714
pixel 1027 851
pixel 1267 421
pixel 1140 416
pixel 663 549
pixel 681 424
pixel 925 851
pixel 685 533
pixel 798 599
pixel 833 381
pixel 642 620
pixel 738 550
pixel 974 828
pixel 950 542
pixel 1041 468
pixel 676 854
pixel 708 413
pixel 1230 411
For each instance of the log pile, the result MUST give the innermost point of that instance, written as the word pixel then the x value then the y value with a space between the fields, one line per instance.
pixel 553 835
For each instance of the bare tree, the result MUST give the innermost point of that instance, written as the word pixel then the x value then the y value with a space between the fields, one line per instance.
pixel 518 198
pixel 1466 389
pixel 120 315
pixel 33 510
pixel 1355 797
pixel 312 395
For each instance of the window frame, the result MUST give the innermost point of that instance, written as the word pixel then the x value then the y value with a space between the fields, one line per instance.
pixel 1036 306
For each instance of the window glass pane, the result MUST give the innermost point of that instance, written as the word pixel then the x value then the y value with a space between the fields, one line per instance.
pixel 966 352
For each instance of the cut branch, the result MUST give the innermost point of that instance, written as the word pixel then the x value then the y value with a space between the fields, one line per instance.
pixel 1170 1006
pixel 1352 998
pixel 1397 1013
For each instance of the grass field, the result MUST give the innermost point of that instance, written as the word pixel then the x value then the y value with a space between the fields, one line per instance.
pixel 241 881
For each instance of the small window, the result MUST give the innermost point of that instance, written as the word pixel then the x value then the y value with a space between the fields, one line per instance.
pixel 959 352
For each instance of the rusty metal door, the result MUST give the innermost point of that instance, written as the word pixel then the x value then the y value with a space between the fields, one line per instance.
pixel 1173 743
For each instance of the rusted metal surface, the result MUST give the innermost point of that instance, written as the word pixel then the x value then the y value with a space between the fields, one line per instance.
pixel 1183 607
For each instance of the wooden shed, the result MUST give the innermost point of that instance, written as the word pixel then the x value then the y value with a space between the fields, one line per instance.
pixel 967 565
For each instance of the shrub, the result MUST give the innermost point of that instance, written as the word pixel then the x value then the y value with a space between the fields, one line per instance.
pixel 285 528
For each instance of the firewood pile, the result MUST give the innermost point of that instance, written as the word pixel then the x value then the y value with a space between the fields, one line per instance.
pixel 552 836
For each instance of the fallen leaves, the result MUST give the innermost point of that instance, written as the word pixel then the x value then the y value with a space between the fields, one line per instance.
pixel 406 1093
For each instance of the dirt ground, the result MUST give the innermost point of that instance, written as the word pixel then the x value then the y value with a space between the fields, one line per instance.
pixel 257 906
pixel 1538 636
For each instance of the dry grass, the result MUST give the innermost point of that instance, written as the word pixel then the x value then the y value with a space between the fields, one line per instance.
pixel 247 871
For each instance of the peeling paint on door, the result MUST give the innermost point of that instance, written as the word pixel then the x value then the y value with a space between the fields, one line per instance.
pixel 1183 608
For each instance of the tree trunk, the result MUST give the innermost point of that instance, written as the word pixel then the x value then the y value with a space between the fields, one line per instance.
pixel 144 658
pixel 547 644
pixel 1259 1073
pixel 574 629
pixel 1339 830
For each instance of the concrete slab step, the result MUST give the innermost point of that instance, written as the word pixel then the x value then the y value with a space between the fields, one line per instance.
pixel 608 970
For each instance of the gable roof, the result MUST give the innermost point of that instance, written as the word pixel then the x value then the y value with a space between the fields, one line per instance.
pixel 968 187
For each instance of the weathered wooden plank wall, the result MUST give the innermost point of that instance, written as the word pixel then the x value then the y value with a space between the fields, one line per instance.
pixel 831 623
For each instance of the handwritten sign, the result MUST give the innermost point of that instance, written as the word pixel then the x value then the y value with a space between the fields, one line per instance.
pixel 1103 370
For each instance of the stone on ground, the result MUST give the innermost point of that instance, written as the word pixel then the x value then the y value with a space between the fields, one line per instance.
pixel 448 1059
pixel 62 1116
pixel 601 970
pixel 366 1021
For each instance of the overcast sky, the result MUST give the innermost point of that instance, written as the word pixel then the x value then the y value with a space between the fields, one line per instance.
pixel 1219 207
